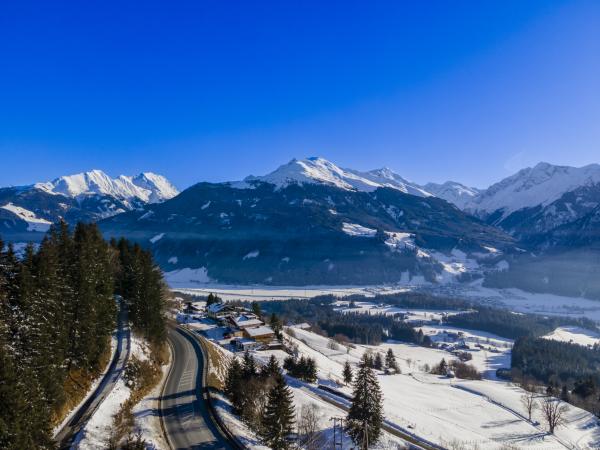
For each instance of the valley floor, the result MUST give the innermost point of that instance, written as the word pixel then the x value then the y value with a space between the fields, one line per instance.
pixel 443 411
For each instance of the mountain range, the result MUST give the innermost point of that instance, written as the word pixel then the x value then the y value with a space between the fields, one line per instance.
pixel 312 222
pixel 26 212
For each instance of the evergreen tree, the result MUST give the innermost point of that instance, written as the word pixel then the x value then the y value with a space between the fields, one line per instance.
pixel 233 383
pixel 271 369
pixel 347 373
pixel 390 361
pixel 278 418
pixel 256 309
pixel 249 366
pixel 212 299
pixel 275 323
pixel 365 416
pixel 378 361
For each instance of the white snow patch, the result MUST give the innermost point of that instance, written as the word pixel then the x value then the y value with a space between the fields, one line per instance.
pixel 575 335
pixel 34 223
pixel 354 229
pixel 173 260
pixel 252 254
pixel 157 238
pixel 187 277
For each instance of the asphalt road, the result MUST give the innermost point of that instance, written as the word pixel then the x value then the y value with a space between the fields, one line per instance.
pixel 66 437
pixel 185 415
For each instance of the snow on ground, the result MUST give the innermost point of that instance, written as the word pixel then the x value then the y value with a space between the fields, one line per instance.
pixel 411 314
pixel 188 281
pixel 34 223
pixel 581 429
pixel 187 277
pixel 94 385
pixel 179 280
pixel 354 229
pixel 98 429
pixel 157 238
pixel 489 352
pixel 304 394
pixel 147 416
pixel 574 335
pixel 435 409
pixel 520 301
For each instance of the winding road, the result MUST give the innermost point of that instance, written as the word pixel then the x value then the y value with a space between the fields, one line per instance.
pixel 66 437
pixel 186 418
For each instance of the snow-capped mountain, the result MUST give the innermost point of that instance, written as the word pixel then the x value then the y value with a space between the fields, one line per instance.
pixel 534 186
pixel 311 222
pixel 27 211
pixel 147 187
pixel 453 192
pixel 316 170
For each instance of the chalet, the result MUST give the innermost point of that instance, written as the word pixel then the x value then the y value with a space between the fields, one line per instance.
pixel 243 344
pixel 244 321
pixel 263 334
pixel 220 310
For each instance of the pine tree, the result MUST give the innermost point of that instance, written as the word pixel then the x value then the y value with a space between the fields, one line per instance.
pixel 233 384
pixel 276 325
pixel 378 362
pixel 271 369
pixel 249 366
pixel 390 361
pixel 256 309
pixel 278 418
pixel 347 373
pixel 365 416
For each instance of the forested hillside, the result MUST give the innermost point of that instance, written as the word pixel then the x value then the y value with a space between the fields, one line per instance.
pixel 57 312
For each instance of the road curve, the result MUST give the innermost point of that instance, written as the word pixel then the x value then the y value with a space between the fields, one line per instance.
pixel 186 419
pixel 66 437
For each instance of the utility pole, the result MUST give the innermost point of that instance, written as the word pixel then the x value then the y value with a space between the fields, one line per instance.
pixel 338 433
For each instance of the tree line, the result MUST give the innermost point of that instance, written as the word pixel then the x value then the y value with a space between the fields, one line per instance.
pixel 505 323
pixel 57 312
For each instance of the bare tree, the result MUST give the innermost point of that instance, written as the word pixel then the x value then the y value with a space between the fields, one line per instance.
pixel 528 399
pixel 554 413
pixel 309 434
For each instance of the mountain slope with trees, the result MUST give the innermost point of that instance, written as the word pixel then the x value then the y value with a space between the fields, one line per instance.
pixel 57 312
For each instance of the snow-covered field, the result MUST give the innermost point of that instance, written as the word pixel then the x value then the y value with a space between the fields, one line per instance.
pixel 575 335
pixel 410 314
pixel 515 299
pixel 478 414
pixel 439 410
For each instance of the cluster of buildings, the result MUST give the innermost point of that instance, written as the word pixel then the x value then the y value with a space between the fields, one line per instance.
pixel 245 329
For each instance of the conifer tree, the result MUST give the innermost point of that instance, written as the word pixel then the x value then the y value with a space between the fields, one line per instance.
pixel 390 361
pixel 278 418
pixel 377 361
pixel 347 373
pixel 271 369
pixel 365 416
pixel 249 366
pixel 256 309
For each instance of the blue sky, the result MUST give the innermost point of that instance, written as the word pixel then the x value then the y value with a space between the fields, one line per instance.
pixel 216 90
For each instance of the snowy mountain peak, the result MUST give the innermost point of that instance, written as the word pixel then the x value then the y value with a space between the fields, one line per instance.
pixel 453 192
pixel 318 170
pixel 147 187
pixel 539 185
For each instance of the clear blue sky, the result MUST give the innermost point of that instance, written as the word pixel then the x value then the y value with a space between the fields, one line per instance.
pixel 215 90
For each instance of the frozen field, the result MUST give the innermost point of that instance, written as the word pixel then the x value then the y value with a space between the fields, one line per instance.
pixel 575 335
pixel 514 299
pixel 486 413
